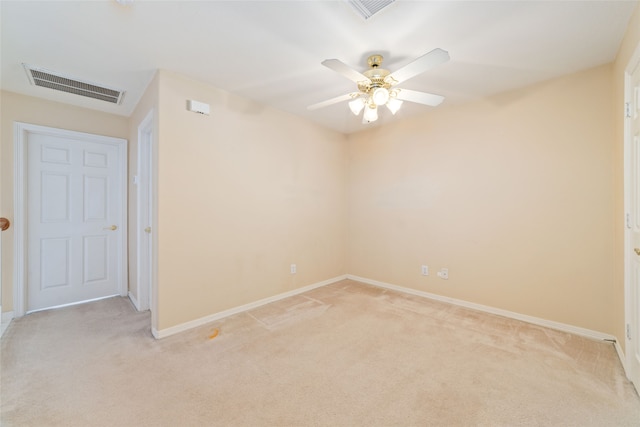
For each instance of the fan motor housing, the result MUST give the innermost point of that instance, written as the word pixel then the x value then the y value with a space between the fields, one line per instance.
pixel 377 79
pixel 375 74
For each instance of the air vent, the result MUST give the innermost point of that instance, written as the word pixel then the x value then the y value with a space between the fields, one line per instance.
pixel 53 80
pixel 368 8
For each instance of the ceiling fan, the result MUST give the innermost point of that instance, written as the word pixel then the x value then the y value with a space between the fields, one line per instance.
pixel 376 86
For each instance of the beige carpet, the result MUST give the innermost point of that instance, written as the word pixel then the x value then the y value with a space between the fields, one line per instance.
pixel 347 354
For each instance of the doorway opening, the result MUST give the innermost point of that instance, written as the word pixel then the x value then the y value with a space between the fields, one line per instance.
pixel 143 299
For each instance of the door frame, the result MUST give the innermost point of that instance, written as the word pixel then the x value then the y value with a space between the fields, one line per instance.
pixel 629 316
pixel 20 132
pixel 145 202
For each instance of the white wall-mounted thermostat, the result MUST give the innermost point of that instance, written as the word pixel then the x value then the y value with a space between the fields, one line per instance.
pixel 198 107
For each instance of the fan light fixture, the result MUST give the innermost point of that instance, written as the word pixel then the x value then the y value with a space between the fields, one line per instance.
pixel 370 104
pixel 375 91
pixel 370 114
pixel 376 86
pixel 394 105
pixel 356 105
pixel 380 96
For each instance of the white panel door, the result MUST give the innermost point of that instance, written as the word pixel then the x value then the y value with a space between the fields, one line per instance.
pixel 74 204
pixel 633 327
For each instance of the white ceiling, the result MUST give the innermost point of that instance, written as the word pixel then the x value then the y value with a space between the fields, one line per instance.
pixel 270 51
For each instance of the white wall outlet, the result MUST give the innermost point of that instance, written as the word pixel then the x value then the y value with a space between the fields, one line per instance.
pixel 425 270
pixel 443 273
pixel 294 269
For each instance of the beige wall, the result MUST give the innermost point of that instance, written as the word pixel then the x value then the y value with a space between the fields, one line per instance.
pixel 513 194
pixel 629 44
pixel 20 108
pixel 242 194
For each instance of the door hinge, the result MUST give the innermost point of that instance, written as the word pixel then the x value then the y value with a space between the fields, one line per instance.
pixel 628 331
pixel 627 110
pixel 627 220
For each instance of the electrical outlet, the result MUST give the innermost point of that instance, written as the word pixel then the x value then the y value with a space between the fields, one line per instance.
pixel 425 270
pixel 443 273
pixel 294 269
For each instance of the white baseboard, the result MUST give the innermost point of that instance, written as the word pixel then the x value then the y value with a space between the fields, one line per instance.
pixel 622 357
pixel 576 330
pixel 134 301
pixel 5 320
pixel 163 333
pixel 492 310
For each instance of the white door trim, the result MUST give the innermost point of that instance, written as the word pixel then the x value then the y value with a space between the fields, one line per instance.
pixel 144 211
pixel 628 246
pixel 20 208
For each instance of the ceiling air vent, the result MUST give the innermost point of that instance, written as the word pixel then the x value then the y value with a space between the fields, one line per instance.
pixel 53 80
pixel 368 8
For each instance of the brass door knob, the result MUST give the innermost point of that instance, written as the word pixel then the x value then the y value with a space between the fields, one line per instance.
pixel 112 228
pixel 4 224
pixel 637 251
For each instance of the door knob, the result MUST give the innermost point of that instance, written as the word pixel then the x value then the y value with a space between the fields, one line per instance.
pixel 112 228
pixel 637 251
pixel 4 224
pixel 147 230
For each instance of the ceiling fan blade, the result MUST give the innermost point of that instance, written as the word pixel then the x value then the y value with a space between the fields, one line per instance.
pixel 333 101
pixel 418 66
pixel 342 68
pixel 419 97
